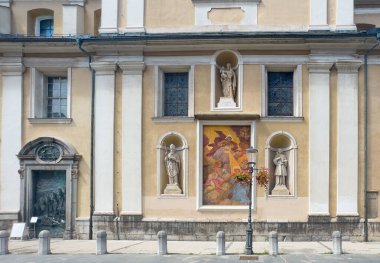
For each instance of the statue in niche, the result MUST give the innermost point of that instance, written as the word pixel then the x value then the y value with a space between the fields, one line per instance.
pixel 173 168
pixel 228 79
pixel 281 173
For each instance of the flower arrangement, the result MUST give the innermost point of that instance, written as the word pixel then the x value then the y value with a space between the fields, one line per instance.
pixel 243 176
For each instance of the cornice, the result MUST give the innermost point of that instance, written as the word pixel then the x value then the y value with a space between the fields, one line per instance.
pixel 12 69
pixel 104 68
pixel 132 68
pixel 348 67
pixel 319 67
pixel 5 3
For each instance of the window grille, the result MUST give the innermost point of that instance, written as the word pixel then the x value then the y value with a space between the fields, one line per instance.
pixel 47 28
pixel 176 87
pixel 57 97
pixel 280 93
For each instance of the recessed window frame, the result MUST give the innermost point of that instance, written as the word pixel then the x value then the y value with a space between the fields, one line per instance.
pixel 38 91
pixel 297 90
pixel 38 21
pixel 159 72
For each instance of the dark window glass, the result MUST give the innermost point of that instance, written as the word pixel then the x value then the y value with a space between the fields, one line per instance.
pixel 280 93
pixel 176 86
pixel 46 28
pixel 56 97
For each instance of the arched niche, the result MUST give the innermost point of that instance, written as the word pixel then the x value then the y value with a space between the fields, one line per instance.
pixel 283 142
pixel 34 16
pixel 42 161
pixel 163 149
pixel 220 101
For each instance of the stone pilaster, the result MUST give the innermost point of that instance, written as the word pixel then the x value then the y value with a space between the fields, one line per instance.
pixel 104 137
pixel 345 15
pixel 132 138
pixel 73 19
pixel 348 138
pixel 319 139
pixel 135 16
pixel 11 139
pixel 318 15
pixel 109 23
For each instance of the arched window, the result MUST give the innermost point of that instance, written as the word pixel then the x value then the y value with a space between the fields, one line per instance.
pixel 41 22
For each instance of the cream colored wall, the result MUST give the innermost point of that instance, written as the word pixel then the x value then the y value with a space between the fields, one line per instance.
pixel 373 129
pixel 89 10
pixel 1 108
pixel 186 207
pixel 331 15
pixel 333 141
pixel 77 133
pixel 20 16
pixel 373 19
pixel 169 13
pixel 118 144
pixel 291 12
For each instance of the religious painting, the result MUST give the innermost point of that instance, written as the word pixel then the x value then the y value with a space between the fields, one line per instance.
pixel 224 154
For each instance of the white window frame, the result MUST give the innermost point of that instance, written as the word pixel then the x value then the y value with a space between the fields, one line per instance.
pixel 159 72
pixel 37 25
pixel 297 90
pixel 38 93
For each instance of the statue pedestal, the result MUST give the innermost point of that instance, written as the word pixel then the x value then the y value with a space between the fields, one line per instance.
pixel 225 102
pixel 172 189
pixel 280 190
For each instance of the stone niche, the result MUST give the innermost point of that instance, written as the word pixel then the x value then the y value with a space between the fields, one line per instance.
pixel 281 158
pixel 172 154
pixel 226 81
pixel 49 181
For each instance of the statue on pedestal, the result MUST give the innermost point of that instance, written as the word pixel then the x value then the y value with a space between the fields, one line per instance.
pixel 281 173
pixel 228 81
pixel 173 169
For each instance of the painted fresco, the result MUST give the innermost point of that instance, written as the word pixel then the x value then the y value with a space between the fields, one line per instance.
pixel 224 152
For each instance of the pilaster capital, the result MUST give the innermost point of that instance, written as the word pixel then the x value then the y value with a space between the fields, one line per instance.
pixel 12 69
pixel 132 68
pixel 348 67
pixel 104 68
pixel 77 2
pixel 5 3
pixel 320 67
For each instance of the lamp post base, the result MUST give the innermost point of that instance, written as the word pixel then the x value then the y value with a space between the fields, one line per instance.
pixel 248 242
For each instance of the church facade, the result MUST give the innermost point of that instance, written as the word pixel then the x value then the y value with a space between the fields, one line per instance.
pixel 135 116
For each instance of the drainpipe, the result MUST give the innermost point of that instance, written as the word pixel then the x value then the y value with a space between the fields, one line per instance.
pixel 79 43
pixel 366 137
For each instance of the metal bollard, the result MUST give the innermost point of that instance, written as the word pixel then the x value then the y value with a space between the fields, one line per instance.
pixel 44 240
pixel 337 243
pixel 4 240
pixel 162 243
pixel 220 243
pixel 273 243
pixel 101 242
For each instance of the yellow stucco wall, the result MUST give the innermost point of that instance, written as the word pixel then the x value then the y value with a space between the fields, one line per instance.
pixel 169 13
pixel 186 207
pixel 292 12
pixel 373 19
pixel 20 23
pixel 89 16
pixel 77 133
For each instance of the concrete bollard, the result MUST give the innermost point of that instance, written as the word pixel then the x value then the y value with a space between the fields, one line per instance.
pixel 273 243
pixel 101 242
pixel 44 240
pixel 4 241
pixel 162 243
pixel 220 243
pixel 337 243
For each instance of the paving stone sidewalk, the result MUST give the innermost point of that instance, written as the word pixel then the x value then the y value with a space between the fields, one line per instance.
pixel 73 247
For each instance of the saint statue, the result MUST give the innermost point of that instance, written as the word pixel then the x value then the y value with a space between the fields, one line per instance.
pixel 173 165
pixel 281 168
pixel 228 79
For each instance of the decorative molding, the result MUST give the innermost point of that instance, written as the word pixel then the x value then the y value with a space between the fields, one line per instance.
pixel 104 68
pixel 319 67
pixel 5 3
pixel 12 69
pixel 169 119
pixel 77 2
pixel 282 119
pixel 227 117
pixel 367 11
pixel 348 67
pixel 132 68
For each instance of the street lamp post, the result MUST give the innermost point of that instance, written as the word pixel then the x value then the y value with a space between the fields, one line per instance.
pixel 251 156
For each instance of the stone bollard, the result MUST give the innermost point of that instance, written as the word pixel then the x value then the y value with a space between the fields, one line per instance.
pixel 4 239
pixel 220 243
pixel 44 240
pixel 162 243
pixel 273 243
pixel 101 242
pixel 337 243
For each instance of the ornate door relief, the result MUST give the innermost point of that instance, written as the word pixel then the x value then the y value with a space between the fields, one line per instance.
pixel 37 159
